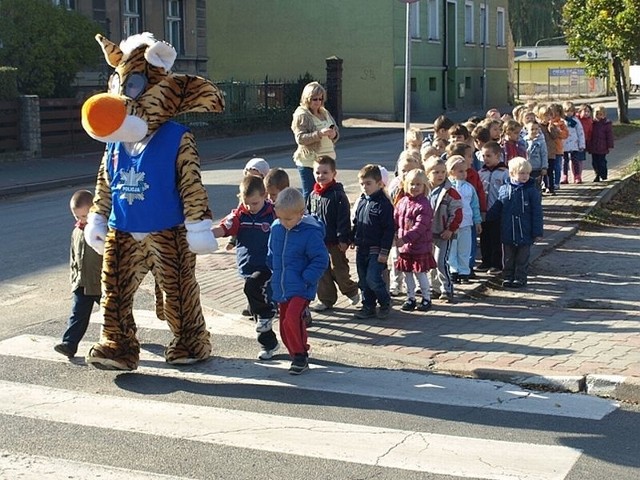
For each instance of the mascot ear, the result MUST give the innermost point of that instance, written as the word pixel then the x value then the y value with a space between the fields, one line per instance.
pixel 161 54
pixel 112 53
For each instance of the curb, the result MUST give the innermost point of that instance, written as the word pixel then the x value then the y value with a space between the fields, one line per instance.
pixel 617 387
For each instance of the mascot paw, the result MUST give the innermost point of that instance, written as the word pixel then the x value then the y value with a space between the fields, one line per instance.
pixel 95 232
pixel 200 237
pixel 106 358
pixel 187 351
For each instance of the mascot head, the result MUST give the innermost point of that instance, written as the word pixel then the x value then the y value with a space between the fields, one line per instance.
pixel 143 92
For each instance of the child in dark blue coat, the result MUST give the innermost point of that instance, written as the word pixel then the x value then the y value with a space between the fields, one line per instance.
pixel 250 224
pixel 519 208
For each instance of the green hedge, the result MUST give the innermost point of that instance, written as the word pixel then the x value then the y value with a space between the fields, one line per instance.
pixel 8 83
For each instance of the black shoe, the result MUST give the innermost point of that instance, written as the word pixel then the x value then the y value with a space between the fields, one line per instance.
pixel 246 313
pixel 455 277
pixel 597 179
pixel 518 284
pixel 65 349
pixel 482 267
pixel 409 305
pixel 494 270
pixel 435 294
pixel 446 297
pixel 384 311
pixel 425 305
pixel 299 365
pixel 463 278
pixel 365 313
pixel 472 275
pixel 507 284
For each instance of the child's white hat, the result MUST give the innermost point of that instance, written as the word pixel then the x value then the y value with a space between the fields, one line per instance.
pixel 259 164
pixel 384 173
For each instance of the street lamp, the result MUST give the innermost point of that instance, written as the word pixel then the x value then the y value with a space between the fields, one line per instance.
pixel 407 67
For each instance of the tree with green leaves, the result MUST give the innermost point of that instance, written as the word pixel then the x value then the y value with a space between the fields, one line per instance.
pixel 601 33
pixel 48 45
pixel 530 24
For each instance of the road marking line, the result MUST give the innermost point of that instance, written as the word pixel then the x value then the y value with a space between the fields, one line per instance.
pixel 16 466
pixel 392 384
pixel 383 447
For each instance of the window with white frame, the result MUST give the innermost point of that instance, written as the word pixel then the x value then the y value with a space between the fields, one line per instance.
pixel 500 28
pixel 414 26
pixel 132 22
pixel 68 4
pixel 433 20
pixel 484 25
pixel 175 24
pixel 468 23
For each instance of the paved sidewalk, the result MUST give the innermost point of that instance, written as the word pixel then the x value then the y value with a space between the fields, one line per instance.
pixel 487 333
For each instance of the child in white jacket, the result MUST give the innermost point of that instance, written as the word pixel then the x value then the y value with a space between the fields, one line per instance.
pixel 471 218
pixel 574 146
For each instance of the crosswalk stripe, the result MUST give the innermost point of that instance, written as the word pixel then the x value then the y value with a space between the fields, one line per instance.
pixel 383 447
pixel 391 384
pixel 218 325
pixel 20 466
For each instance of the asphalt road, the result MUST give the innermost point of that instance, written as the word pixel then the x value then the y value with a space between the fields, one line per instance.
pixel 235 418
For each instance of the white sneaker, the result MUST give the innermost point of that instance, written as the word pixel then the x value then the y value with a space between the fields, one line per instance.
pixel 263 324
pixel 320 307
pixel 268 354
pixel 355 299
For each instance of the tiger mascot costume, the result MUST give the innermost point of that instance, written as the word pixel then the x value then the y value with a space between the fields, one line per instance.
pixel 150 209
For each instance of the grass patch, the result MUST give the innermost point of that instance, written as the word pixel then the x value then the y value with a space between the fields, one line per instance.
pixel 621 130
pixel 622 210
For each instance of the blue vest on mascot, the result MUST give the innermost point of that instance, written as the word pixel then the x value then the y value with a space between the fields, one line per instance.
pixel 144 193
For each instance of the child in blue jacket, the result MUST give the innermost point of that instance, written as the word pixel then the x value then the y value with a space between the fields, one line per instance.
pixel 298 258
pixel 519 208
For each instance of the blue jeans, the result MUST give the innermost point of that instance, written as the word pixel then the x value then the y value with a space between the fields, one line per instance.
pixel 79 319
pixel 307 179
pixel 558 170
pixel 370 280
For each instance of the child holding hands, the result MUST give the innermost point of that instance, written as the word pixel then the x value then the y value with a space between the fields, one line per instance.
pixel 298 258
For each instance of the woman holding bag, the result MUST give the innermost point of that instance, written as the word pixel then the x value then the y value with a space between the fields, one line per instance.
pixel 315 132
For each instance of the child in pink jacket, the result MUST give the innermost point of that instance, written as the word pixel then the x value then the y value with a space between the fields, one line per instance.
pixel 413 216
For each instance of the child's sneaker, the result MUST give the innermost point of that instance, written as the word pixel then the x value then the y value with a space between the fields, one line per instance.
pixel 65 349
pixel 266 354
pixel 409 305
pixel 299 365
pixel 446 297
pixel 355 299
pixel 364 313
pixel 384 311
pixel 320 307
pixel 263 324
pixel 425 305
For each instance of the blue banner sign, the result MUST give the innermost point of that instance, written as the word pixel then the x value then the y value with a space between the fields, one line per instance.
pixel 566 72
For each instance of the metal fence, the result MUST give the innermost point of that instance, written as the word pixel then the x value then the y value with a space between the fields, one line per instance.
pixel 250 106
